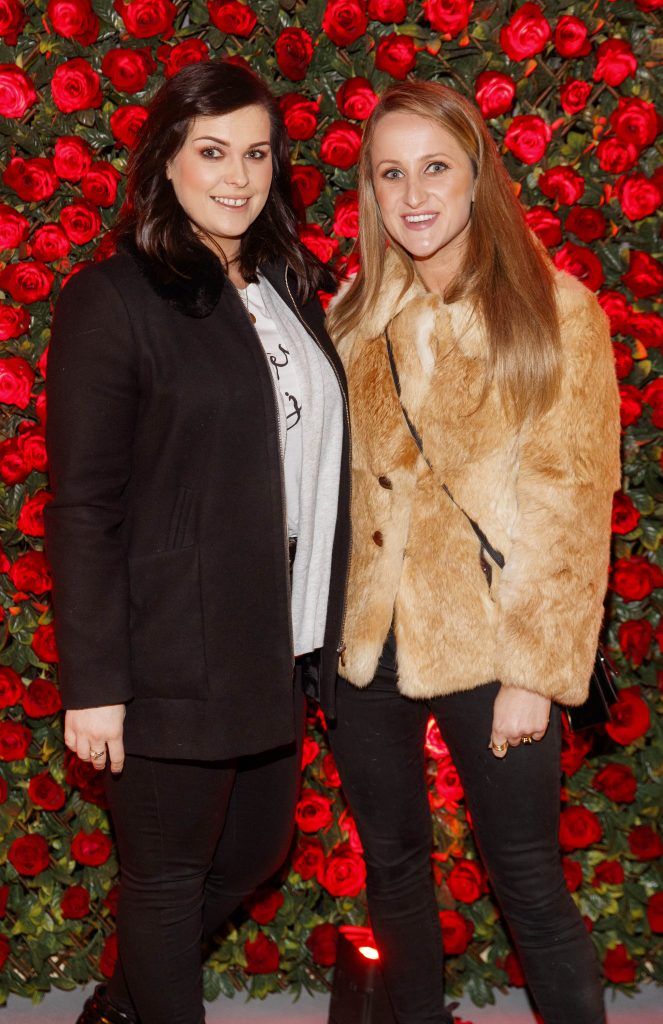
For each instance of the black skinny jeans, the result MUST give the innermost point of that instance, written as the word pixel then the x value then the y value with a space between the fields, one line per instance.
pixel 194 838
pixel 378 744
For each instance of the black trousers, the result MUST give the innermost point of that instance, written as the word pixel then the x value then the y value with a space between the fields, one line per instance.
pixel 194 838
pixel 378 744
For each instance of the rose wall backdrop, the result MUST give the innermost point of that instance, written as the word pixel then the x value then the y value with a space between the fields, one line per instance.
pixel 568 92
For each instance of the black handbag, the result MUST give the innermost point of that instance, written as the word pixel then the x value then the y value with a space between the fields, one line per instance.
pixel 602 684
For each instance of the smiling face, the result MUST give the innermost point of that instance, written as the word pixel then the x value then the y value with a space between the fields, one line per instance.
pixel 423 182
pixel 223 173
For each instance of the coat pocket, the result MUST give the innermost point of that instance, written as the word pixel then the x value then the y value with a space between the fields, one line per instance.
pixel 167 626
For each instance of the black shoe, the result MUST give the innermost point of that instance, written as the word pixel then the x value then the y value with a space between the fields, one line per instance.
pixel 99 1009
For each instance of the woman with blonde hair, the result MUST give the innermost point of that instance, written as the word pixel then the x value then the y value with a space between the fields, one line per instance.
pixel 485 455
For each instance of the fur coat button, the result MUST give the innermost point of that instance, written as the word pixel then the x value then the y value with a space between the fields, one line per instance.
pixel 385 482
pixel 378 538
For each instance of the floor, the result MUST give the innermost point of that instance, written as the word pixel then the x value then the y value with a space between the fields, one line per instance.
pixel 62 1007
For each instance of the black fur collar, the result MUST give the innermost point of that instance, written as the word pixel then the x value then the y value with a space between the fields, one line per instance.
pixel 196 291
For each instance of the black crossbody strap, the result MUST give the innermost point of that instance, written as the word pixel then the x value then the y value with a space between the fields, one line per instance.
pixel 496 555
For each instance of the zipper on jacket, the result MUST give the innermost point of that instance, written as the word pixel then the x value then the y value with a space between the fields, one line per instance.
pixel 281 476
pixel 341 645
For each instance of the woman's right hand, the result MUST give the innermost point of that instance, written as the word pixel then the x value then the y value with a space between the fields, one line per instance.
pixel 89 731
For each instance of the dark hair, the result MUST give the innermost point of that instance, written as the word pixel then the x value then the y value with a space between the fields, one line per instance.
pixel 152 219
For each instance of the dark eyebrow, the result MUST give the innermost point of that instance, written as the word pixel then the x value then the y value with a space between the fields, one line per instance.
pixel 424 159
pixel 223 142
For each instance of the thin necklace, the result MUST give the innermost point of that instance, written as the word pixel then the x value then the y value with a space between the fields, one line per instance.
pixel 244 293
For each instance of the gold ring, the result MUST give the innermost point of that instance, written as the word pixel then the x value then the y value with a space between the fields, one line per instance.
pixel 96 754
pixel 527 739
pixel 498 747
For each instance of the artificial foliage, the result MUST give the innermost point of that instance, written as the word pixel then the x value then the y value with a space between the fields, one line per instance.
pixel 568 91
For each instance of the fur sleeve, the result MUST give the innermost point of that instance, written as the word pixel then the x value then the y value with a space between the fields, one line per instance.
pixel 550 599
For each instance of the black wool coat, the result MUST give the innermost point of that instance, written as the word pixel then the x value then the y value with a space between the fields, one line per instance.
pixel 167 533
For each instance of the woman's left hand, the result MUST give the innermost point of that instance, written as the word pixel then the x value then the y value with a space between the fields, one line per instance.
pixel 517 715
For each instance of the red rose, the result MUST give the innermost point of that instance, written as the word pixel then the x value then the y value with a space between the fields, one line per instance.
pixel 4 898
pixel 634 578
pixel 617 310
pixel 572 874
pixel 629 717
pixel 330 771
pixel 573 95
pixel 638 195
pixel 625 516
pixel 575 747
pixel 618 966
pixel 514 971
pixel 33 180
pixel 232 17
pixel 11 687
pixel 389 12
pixel 494 93
pixel 81 222
pixel 74 19
pixel 635 121
pixel 344 20
pixel 12 20
pixel 75 903
pixel 30 572
pixel 527 137
pixel 618 783
pixel 630 404
pixel 344 872
pixel 587 223
pixel 13 467
pixel 457 932
pixel 635 637
pixel 108 958
pixel 313 811
pixel 29 281
pixel 356 99
pixel 578 828
pixel 29 855
pixel 43 643
pixel 72 157
pixel 545 224
pixel 91 848
pixel 112 900
pixel 582 263
pixel 346 215
pixel 466 881
pixel 294 52
pixel 318 242
pixel 645 843
pixel 128 70
pixel 15 740
pixel 448 16
pixel 33 446
pixel 45 792
pixel 615 156
pixel 310 750
pixel 41 699
pixel 396 54
pixel 572 37
pixel 322 943
pixel 448 787
pixel 526 33
pixel 655 912
pixel 174 58
pixel 14 227
pixel 16 380
pixel 146 18
pixel 649 6
pixel 644 276
pixel 17 93
pixel 49 243
pixel 340 145
pixel 262 955
pixel 263 906
pixel 608 872
pixel 308 859
pixel 76 85
pixel 647 328
pixel 126 123
pixel 307 183
pixel 615 62
pixel 563 184
pixel 300 115
pixel 99 184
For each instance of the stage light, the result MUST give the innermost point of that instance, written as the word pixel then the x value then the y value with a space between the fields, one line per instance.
pixel 358 992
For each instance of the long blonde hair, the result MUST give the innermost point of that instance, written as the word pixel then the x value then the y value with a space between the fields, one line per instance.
pixel 505 273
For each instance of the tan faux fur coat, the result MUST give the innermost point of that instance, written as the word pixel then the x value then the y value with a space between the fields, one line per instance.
pixel 542 496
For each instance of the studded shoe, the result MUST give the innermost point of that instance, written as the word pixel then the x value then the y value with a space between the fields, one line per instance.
pixel 99 1009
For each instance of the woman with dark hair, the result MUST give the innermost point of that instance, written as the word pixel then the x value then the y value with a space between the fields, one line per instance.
pixel 485 450
pixel 198 536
